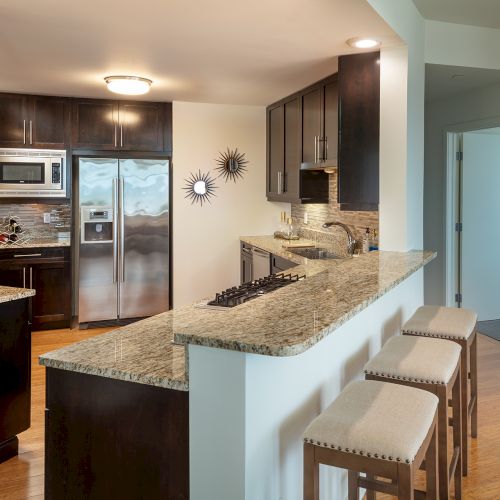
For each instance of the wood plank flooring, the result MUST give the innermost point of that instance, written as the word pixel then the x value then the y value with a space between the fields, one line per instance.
pixel 22 477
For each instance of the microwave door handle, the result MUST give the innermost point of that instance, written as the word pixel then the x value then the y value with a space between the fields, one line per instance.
pixel 31 132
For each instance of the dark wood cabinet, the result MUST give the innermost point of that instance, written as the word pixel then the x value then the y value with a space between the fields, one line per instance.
pixel 48 271
pixel 359 118
pixel 100 124
pixel 14 120
pixel 34 121
pixel 311 124
pixel 107 438
pixel 15 374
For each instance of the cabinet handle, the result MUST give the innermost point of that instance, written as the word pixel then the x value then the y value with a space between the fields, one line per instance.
pixel 121 135
pixel 325 148
pixel 116 136
pixel 315 149
pixel 24 277
pixel 24 131
pixel 31 277
pixel 18 256
pixel 279 183
pixel 31 132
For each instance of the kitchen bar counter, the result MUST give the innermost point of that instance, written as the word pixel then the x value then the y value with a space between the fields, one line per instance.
pixel 8 293
pixel 286 322
pixel 37 243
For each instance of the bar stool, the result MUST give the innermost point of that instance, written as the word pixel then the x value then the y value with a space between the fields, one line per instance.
pixel 432 365
pixel 458 325
pixel 376 428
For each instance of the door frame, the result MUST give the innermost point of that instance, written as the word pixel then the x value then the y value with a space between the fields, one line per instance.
pixel 453 137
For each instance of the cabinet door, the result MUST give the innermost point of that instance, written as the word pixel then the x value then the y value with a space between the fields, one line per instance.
pixel 51 304
pixel 292 148
pixel 311 124
pixel 13 274
pixel 95 124
pixel 141 126
pixel 49 122
pixel 331 121
pixel 359 117
pixel 276 151
pixel 13 120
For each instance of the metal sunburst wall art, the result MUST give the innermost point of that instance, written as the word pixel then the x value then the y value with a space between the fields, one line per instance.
pixel 231 164
pixel 200 187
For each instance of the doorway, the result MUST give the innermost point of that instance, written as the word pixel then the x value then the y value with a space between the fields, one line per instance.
pixel 474 225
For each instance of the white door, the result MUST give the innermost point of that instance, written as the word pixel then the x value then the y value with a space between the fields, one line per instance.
pixel 480 263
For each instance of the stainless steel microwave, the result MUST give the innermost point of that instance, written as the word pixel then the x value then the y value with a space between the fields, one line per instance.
pixel 32 173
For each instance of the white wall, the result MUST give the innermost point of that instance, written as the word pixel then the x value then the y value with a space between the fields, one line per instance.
pixel 206 239
pixel 470 110
pixel 402 128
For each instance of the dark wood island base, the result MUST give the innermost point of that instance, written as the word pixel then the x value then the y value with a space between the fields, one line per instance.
pixel 108 438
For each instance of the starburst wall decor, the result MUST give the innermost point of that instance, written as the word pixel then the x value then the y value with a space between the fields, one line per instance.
pixel 231 164
pixel 200 187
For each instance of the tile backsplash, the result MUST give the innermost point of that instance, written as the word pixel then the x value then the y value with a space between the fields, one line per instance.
pixel 318 214
pixel 30 216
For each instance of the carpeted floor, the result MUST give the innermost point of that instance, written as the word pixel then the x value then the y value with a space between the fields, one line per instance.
pixel 490 328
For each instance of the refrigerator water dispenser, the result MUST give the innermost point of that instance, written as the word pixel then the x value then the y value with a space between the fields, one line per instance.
pixel 97 225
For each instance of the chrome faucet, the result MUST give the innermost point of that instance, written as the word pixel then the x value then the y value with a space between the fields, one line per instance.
pixel 351 241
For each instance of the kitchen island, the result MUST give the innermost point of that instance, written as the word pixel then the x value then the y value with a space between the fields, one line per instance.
pixel 15 367
pixel 252 377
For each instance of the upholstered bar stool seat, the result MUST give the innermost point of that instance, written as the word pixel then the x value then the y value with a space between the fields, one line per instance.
pixel 432 365
pixel 458 325
pixel 383 429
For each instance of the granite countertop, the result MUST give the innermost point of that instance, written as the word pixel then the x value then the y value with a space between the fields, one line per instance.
pixel 38 243
pixel 283 323
pixel 141 352
pixel 8 293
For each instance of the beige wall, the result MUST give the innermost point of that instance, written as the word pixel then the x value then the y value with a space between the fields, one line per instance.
pixel 206 239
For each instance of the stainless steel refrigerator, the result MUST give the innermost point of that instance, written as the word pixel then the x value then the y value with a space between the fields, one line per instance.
pixel 124 238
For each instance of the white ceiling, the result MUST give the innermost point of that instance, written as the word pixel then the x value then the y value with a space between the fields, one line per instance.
pixel 443 81
pixel 484 13
pixel 222 51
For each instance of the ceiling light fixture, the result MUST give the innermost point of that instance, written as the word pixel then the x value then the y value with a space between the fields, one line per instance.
pixel 129 85
pixel 363 43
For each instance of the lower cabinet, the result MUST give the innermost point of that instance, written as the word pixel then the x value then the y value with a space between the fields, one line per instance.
pixel 15 374
pixel 48 271
pixel 111 439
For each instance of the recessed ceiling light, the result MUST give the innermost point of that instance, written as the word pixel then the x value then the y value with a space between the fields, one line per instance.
pixel 363 43
pixel 129 85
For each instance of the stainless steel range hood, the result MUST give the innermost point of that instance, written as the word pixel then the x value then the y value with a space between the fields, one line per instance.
pixel 327 166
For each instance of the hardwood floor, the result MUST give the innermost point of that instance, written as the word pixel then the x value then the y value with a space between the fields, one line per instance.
pixel 22 476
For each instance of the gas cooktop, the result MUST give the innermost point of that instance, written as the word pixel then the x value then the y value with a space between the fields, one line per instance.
pixel 247 291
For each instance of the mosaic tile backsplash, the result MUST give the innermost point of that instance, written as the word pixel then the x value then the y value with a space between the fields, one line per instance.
pixel 30 216
pixel 318 214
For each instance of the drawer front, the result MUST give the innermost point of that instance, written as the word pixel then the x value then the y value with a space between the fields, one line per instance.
pixel 34 254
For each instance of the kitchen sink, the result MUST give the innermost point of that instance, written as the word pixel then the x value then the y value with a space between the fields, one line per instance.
pixel 314 253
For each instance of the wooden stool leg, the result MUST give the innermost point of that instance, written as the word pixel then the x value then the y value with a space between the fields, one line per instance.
pixel 353 493
pixel 431 467
pixel 311 474
pixel 370 494
pixel 465 411
pixel 443 441
pixel 457 434
pixel 406 490
pixel 473 384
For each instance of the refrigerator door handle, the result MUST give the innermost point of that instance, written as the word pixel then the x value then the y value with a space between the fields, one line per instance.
pixel 121 210
pixel 115 230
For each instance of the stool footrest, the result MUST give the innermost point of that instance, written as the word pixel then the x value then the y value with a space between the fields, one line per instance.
pixel 454 462
pixel 376 485
pixel 420 495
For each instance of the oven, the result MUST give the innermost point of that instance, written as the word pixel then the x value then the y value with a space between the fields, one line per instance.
pixel 32 173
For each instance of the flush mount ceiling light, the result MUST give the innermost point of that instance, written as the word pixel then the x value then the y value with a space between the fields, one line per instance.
pixel 363 43
pixel 129 85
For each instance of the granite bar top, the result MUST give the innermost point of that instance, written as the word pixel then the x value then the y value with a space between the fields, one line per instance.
pixel 285 322
pixel 37 243
pixel 8 293
pixel 141 352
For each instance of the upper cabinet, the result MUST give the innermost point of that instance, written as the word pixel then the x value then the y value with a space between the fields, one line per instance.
pixel 359 121
pixel 34 121
pixel 121 125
